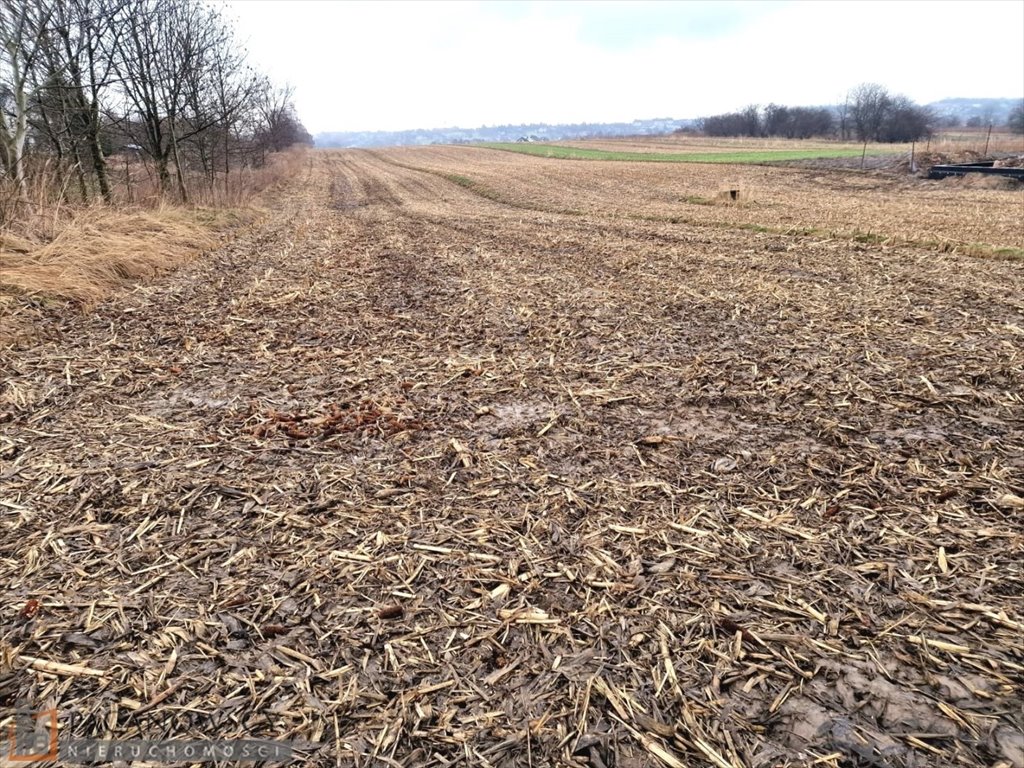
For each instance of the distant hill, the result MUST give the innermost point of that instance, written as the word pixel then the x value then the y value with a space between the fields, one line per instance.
pixel 534 131
pixel 994 111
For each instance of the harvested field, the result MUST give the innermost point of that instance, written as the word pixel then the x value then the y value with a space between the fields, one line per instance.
pixel 465 458
pixel 834 206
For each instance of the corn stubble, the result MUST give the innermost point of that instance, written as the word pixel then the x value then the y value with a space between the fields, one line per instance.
pixel 428 477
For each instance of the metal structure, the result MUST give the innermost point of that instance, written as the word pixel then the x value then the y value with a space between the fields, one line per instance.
pixel 984 166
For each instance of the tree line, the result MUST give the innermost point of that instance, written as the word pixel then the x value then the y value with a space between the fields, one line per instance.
pixel 1015 122
pixel 164 81
pixel 869 113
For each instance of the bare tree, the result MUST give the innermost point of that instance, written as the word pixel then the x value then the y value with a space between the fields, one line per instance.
pixel 217 99
pixel 85 33
pixel 843 113
pixel 906 121
pixel 747 122
pixel 869 103
pixel 78 78
pixel 164 52
pixel 777 120
pixel 805 122
pixel 1015 120
pixel 280 127
pixel 55 117
pixel 21 22
pixel 878 115
pixel 71 72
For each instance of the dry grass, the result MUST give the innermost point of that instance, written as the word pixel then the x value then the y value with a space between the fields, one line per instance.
pixel 974 140
pixel 135 181
pixel 54 250
pixel 832 204
pixel 100 250
pixel 54 196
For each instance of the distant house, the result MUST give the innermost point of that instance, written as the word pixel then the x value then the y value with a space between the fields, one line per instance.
pixel 527 139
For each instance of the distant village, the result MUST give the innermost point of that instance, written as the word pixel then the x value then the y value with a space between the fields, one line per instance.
pixel 525 132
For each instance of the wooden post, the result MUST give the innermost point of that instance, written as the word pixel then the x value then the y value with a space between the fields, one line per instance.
pixel 912 168
pixel 989 136
pixel 863 154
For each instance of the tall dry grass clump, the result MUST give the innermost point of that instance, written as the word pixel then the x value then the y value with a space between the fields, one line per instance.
pixel 99 250
pixel 84 253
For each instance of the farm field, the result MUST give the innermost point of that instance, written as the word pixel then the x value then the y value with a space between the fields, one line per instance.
pixel 462 457
pixel 681 143
pixel 952 141
pixel 578 152
pixel 832 205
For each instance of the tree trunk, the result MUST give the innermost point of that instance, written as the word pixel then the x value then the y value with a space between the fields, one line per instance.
pixel 83 188
pixel 18 157
pixel 182 191
pixel 12 134
pixel 99 162
pixel 163 173
pixel 204 160
pixel 227 163
pixel 128 179
pixel 16 144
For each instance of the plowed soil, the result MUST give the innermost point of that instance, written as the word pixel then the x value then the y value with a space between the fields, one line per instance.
pixel 468 458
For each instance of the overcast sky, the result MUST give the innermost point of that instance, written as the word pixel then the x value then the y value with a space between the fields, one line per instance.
pixel 395 65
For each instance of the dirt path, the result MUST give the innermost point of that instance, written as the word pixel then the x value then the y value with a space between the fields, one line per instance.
pixel 428 480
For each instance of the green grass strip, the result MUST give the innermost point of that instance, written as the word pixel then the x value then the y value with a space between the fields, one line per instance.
pixel 755 156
